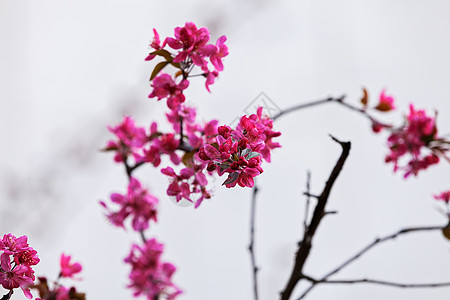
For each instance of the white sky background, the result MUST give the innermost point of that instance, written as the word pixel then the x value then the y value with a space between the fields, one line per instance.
pixel 69 68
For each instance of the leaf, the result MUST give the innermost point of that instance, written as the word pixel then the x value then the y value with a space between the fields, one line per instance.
pixel 246 151
pixel 223 167
pixel 253 154
pixel 178 73
pixel 164 53
pixel 187 158
pixel 176 65
pixel 158 68
pixel 231 178
pixel 365 97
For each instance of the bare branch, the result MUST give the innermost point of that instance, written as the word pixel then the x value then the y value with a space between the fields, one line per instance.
pixel 377 241
pixel 307 105
pixel 308 199
pixel 379 282
pixel 319 212
pixel 252 241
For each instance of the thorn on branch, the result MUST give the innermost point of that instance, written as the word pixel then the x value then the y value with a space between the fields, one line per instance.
pixel 331 212
pixel 310 195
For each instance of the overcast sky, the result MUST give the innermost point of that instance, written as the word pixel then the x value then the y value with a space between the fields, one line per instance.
pixel 70 68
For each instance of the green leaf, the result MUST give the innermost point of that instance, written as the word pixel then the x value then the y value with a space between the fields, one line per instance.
pixel 231 178
pixel 158 68
pixel 246 151
pixel 253 154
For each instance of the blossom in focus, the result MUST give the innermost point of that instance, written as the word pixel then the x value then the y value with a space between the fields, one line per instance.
pixel 17 259
pixel 192 49
pixel 138 204
pixel 238 152
pixel 149 276
pixel 68 269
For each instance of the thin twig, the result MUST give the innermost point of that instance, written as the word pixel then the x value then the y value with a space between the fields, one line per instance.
pixel 306 245
pixel 308 199
pixel 380 282
pixel 252 242
pixel 377 241
pixel 307 105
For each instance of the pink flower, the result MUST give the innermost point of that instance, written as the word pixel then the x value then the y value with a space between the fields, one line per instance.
pixel 386 102
pixel 217 52
pixel 137 204
pixel 164 86
pixel 14 277
pixel 155 44
pixel 130 141
pixel 68 269
pixel 190 40
pixel 12 245
pixel 210 78
pixel 444 196
pixel 150 276
pixel 412 140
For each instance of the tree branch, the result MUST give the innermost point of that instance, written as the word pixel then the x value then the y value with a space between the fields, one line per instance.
pixel 377 241
pixel 252 240
pixel 379 282
pixel 306 105
pixel 319 212
pixel 7 296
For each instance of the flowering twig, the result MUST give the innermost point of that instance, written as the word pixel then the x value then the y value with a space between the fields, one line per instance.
pixel 319 211
pixel 377 241
pixel 252 241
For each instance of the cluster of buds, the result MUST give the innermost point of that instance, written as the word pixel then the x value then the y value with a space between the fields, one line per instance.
pixel 238 152
pixel 17 259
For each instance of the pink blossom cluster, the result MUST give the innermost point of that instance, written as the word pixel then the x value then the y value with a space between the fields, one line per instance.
pixel 138 204
pixel 17 259
pixel 414 141
pixel 238 152
pixel 191 49
pixel 149 276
